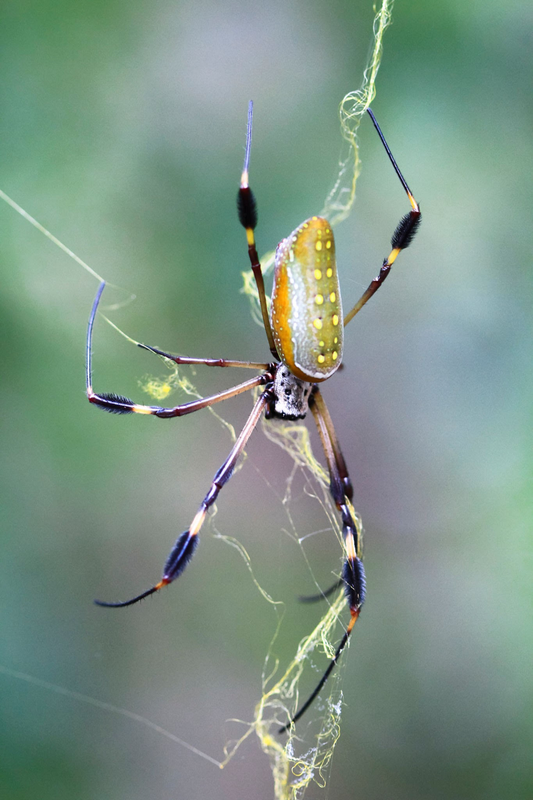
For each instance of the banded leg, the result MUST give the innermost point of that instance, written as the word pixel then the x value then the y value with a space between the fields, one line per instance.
pixel 186 544
pixel 353 575
pixel 342 470
pixel 343 475
pixel 247 210
pixel 116 404
pixel 322 409
pixel 401 238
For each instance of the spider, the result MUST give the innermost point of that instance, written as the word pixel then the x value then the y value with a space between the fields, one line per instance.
pixel 305 334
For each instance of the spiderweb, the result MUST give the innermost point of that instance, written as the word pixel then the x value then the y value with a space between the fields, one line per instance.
pixel 295 764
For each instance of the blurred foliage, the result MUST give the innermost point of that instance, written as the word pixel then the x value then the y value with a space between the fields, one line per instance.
pixel 121 129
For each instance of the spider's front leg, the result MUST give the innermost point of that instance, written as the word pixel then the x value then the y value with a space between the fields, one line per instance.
pixel 116 404
pixel 402 236
pixel 186 544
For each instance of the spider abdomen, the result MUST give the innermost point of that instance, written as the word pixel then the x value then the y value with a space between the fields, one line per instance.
pixel 306 312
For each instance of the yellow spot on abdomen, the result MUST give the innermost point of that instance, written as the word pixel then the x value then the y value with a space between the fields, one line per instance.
pixel 321 359
pixel 319 299
pixel 318 274
pixel 333 297
pixel 318 324
pixel 329 272
pixel 318 245
pixel 335 319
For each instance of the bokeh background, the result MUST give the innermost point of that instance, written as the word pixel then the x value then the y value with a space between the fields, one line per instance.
pixel 121 129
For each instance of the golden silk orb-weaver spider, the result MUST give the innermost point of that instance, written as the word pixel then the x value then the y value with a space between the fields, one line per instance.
pixel 305 334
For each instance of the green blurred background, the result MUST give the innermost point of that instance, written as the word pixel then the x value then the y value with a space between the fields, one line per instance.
pixel 121 129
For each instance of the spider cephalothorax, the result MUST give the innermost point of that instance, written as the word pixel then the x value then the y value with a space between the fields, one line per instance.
pixel 291 395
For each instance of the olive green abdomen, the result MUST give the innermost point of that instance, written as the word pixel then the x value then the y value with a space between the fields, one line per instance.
pixel 306 312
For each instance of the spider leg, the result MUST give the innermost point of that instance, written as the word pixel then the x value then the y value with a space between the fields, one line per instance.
pixel 186 544
pixel 206 362
pixel 343 475
pixel 247 210
pixel 401 238
pixel 116 404
pixel 320 408
pixel 316 598
pixel 353 575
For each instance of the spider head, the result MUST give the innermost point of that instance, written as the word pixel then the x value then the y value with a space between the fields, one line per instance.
pixel 291 395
